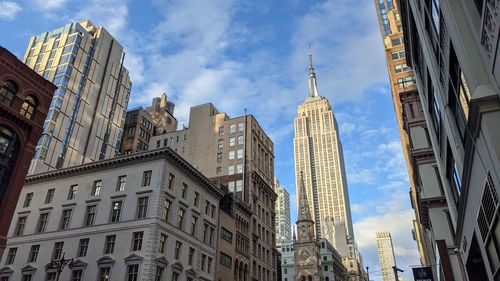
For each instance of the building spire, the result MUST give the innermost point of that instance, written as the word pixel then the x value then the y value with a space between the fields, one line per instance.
pixel 304 211
pixel 313 89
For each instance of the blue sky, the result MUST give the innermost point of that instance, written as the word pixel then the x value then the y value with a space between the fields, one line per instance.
pixel 253 54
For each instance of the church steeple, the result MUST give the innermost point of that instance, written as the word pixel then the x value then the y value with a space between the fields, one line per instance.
pixel 313 88
pixel 305 224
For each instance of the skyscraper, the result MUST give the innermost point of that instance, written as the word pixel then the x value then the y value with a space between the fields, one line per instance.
pixel 386 255
pixel 402 82
pixel 86 116
pixel 283 219
pixel 318 155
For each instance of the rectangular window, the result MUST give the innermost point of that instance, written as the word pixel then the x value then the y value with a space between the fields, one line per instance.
pixel 27 199
pixel 109 244
pixel 396 42
pixel 57 251
pixel 177 251
pixel 241 127
pixel 11 256
pixel 191 256
pixel 230 186
pixel 227 235
pixel 42 222
pixel 159 273
pixel 51 276
pixel 83 246
pixel 166 210
pixel 233 128
pixel 240 140
pixel 180 218
pixel 196 198
pixel 72 191
pixel 220 144
pixel 184 190
pixel 163 242
pixel 90 215
pixel 219 157
pixel 96 188
pixel 142 207
pixel 33 255
pixel 65 219
pixel 104 273
pixel 137 241
pixel 231 155
pixel 239 185
pixel 116 210
pixel 207 207
pixel 209 265
pixel 132 272
pixel 21 223
pixel 239 168
pixel 194 223
pixel 232 141
pixel 240 153
pixel 146 178
pixel 175 276
pixel 120 186
pixel 49 196
pixel 27 277
pixel 230 170
pixel 221 130
pixel 171 179
pixel 225 260
pixel 203 261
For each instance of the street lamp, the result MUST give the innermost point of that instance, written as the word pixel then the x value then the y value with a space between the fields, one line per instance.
pixel 59 265
pixel 396 272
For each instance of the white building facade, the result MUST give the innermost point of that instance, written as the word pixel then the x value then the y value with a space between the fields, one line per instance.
pixel 283 218
pixel 386 255
pixel 144 216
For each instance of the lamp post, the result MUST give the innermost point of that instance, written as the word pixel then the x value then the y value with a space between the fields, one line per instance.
pixel 367 274
pixel 59 265
pixel 396 272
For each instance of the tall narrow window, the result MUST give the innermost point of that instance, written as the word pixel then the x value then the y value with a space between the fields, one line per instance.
pixel 146 178
pixel 194 223
pixel 96 188
pixel 180 218
pixel 28 107
pixel 109 244
pixel 137 241
pixel 163 242
pixel 120 186
pixel 132 272
pixel 177 251
pixel 90 215
pixel 171 179
pixel 83 246
pixel 191 256
pixel 11 256
pixel 166 209
pixel 116 210
pixel 27 199
pixel 57 251
pixel 33 255
pixel 159 273
pixel 104 273
pixel 49 196
pixel 42 222
pixel 72 191
pixel 21 223
pixel 184 190
pixel 142 207
pixel 196 198
pixel 65 219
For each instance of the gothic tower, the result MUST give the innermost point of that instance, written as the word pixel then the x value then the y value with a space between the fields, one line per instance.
pixel 306 247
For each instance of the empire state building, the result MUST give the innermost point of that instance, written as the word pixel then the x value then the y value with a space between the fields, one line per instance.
pixel 318 156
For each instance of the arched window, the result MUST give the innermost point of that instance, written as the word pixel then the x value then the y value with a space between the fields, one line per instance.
pixel 7 92
pixel 28 107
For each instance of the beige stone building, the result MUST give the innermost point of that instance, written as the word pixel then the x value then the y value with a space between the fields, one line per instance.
pixel 86 116
pixel 141 124
pixel 386 255
pixel 402 81
pixel 237 153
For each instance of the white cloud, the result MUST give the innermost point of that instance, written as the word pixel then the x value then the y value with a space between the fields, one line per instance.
pixel 49 5
pixel 9 10
pixel 111 14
